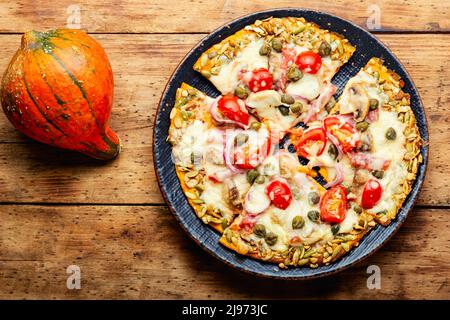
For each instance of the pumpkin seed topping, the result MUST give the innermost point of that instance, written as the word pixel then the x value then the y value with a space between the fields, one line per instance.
pixel 212 54
pixel 330 104
pixel 357 208
pixel 240 139
pixel 298 222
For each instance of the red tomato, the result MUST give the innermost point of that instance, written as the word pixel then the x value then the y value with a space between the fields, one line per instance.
pixel 333 206
pixel 371 194
pixel 344 131
pixel 309 62
pixel 279 193
pixel 233 108
pixel 261 80
pixel 312 142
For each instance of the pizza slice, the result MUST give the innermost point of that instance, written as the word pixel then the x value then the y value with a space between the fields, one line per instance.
pixel 290 219
pixel 372 145
pixel 245 65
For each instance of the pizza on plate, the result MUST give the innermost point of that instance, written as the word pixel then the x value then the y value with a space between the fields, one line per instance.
pixel 285 172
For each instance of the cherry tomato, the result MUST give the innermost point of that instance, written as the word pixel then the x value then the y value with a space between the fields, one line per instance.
pixel 344 131
pixel 261 80
pixel 371 194
pixel 311 142
pixel 233 108
pixel 309 62
pixel 279 193
pixel 333 206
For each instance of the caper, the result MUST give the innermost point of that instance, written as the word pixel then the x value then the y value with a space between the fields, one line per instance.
pixel 382 212
pixel 379 174
pixel 255 125
pixel 277 45
pixel 259 230
pixel 373 104
pixel 296 107
pixel 212 54
pixel 265 49
pixel 241 92
pixel 324 49
pixel 357 208
pixel 335 229
pixel 224 224
pixel 252 175
pixel 313 215
pixel 240 139
pixel 294 74
pixel 260 179
pixel 333 151
pixel 330 104
pixel 271 238
pixel 362 126
pixel 284 110
pixel 313 198
pixel 391 134
pixel 288 99
pixel 298 222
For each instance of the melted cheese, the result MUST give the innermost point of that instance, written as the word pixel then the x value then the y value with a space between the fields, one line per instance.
pixel 248 58
pixel 393 150
pixel 193 140
pixel 308 86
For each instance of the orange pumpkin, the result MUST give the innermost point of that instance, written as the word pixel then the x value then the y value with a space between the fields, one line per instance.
pixel 58 89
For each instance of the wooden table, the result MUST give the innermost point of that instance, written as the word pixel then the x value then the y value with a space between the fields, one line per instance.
pixel 58 208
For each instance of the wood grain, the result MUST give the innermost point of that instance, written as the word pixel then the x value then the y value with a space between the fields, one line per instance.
pixel 31 172
pixel 141 252
pixel 155 16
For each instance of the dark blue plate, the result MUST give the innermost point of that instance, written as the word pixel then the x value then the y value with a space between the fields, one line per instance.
pixel 367 46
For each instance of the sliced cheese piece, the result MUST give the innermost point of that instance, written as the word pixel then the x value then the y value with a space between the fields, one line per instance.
pixel 308 87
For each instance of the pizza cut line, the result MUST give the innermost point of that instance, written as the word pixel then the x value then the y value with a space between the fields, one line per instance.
pixel 274 75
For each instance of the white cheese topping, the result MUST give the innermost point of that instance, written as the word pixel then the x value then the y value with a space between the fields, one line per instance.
pixel 247 59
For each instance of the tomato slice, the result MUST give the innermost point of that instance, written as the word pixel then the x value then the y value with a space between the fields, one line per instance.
pixel 261 80
pixel 309 62
pixel 344 131
pixel 371 194
pixel 254 151
pixel 233 108
pixel 279 193
pixel 311 142
pixel 333 206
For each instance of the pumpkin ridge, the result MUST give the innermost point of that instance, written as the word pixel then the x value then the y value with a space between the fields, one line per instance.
pixel 39 109
pixel 58 99
pixel 78 84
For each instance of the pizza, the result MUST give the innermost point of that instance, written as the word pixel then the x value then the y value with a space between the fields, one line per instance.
pixel 287 174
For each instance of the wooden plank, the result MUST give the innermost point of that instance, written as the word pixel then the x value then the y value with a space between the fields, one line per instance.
pixel 150 16
pixel 141 252
pixel 32 172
